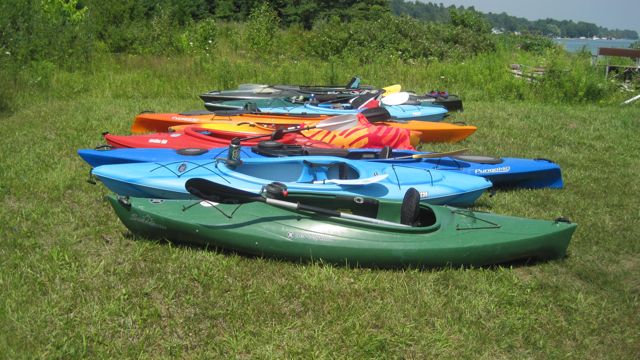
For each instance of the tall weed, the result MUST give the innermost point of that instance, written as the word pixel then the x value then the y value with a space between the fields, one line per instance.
pixel 573 79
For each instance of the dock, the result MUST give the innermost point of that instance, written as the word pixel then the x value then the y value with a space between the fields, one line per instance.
pixel 627 71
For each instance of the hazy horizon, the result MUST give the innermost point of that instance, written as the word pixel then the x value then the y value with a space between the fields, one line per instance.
pixel 612 14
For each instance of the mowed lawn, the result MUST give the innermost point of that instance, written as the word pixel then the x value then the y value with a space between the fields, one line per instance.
pixel 75 283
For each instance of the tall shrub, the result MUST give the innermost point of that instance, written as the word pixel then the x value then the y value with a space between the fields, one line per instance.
pixel 200 38
pixel 262 28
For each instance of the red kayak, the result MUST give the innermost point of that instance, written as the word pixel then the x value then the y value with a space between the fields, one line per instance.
pixel 197 137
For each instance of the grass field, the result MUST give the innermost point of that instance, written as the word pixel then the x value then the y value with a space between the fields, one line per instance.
pixel 75 283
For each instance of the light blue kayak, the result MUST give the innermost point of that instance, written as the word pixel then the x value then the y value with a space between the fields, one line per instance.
pixel 303 174
pixel 398 112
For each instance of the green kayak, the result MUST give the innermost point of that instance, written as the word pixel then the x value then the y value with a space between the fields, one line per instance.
pixel 439 236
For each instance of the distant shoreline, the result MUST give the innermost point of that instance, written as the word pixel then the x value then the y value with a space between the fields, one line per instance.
pixel 577 44
pixel 604 39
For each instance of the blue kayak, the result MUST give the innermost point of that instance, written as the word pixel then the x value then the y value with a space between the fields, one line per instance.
pixel 301 174
pixel 502 172
pixel 430 112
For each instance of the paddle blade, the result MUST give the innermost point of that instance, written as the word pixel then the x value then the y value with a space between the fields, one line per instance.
pixel 209 190
pixel 391 89
pixel 435 154
pixel 338 123
pixel 395 98
pixel 376 114
pixel 481 159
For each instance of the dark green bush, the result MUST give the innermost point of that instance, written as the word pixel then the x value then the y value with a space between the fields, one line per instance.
pixel 200 38
pixel 45 30
pixel 392 37
pixel 535 44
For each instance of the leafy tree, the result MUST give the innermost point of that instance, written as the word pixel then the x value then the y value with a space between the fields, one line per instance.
pixel 471 20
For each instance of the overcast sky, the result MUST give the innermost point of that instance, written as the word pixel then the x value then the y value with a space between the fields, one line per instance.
pixel 612 14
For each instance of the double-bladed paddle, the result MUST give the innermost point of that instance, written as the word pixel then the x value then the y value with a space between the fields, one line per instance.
pixel 211 191
pixel 334 123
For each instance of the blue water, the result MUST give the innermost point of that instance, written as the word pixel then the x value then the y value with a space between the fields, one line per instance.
pixel 575 45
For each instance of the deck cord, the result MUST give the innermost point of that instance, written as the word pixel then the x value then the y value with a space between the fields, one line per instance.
pixel 185 208
pixel 470 214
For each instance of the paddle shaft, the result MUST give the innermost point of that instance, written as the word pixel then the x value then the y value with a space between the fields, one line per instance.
pixel 327 212
pixel 286 131
pixel 209 190
pixel 432 155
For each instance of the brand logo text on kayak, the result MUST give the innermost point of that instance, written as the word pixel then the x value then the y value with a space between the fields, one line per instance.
pixel 493 170
pixel 147 220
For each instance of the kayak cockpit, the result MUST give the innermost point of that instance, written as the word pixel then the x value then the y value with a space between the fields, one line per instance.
pixel 417 216
pixel 299 171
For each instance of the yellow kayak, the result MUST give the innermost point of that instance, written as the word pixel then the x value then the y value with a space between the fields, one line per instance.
pixel 436 131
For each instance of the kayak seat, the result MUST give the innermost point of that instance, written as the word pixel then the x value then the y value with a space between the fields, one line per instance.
pixel 326 171
pixel 385 152
pixel 410 209
pixel 354 83
pixel 412 214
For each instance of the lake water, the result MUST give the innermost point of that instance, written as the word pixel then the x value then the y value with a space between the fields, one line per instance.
pixel 574 45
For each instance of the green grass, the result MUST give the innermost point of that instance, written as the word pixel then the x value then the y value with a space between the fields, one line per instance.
pixel 76 284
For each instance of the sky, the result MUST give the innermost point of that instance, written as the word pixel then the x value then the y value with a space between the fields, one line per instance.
pixel 612 14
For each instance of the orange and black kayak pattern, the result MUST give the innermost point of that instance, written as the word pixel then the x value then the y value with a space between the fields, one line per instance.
pixel 366 135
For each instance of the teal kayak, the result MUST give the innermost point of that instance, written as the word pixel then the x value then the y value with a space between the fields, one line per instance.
pixel 423 112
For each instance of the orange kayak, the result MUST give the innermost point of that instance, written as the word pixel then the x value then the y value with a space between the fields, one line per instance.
pixel 363 135
pixel 161 122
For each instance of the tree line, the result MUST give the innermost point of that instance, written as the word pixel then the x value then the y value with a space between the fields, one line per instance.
pixel 547 27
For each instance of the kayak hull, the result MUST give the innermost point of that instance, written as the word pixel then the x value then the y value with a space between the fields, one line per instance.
pixel 450 236
pixel 303 174
pixel 197 137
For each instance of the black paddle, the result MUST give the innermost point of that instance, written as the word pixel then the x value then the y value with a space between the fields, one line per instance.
pixel 376 114
pixel 431 155
pixel 215 192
